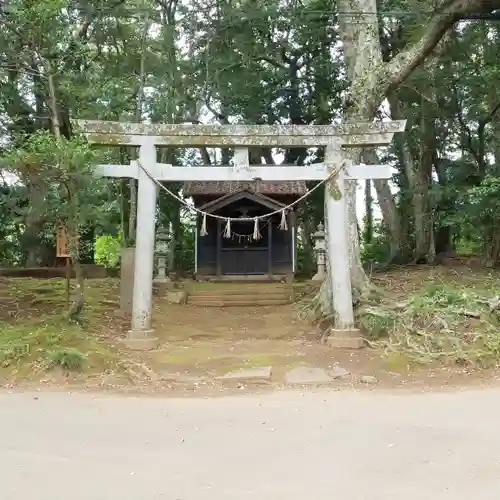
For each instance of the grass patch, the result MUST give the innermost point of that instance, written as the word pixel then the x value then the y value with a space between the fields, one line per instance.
pixel 450 324
pixel 34 336
pixel 29 349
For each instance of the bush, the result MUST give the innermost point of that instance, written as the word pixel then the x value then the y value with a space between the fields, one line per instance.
pixel 68 359
pixel 107 251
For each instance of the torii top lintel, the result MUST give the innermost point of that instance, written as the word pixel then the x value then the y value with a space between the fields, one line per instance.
pixel 188 135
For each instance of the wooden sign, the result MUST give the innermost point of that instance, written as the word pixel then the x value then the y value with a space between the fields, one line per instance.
pixel 62 243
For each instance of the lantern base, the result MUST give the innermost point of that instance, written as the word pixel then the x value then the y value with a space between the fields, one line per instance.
pixel 163 279
pixel 141 340
pixel 319 276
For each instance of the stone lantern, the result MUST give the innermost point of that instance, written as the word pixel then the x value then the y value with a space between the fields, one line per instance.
pixel 162 250
pixel 320 250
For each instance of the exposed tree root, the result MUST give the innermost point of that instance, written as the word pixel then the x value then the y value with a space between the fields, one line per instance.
pixel 438 324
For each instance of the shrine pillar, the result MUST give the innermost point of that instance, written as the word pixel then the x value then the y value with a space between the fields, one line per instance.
pixel 140 336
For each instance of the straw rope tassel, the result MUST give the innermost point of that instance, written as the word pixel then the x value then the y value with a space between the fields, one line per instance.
pixel 227 231
pixel 256 233
pixel 283 224
pixel 203 230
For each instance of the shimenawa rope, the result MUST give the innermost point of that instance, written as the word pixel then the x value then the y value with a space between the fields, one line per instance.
pixel 227 231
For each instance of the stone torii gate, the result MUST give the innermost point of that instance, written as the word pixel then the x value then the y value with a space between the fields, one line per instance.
pixel 333 137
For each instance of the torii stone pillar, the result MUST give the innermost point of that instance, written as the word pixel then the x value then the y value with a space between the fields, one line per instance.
pixel 343 334
pixel 241 137
pixel 141 336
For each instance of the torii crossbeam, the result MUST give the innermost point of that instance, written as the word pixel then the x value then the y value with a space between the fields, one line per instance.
pixel 147 136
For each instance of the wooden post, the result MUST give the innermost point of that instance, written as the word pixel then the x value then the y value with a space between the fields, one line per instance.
pixel 293 239
pixel 219 247
pixel 68 279
pixel 197 227
pixel 270 248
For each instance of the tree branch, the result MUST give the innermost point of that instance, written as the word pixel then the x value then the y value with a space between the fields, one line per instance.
pixel 489 117
pixel 271 61
pixel 447 14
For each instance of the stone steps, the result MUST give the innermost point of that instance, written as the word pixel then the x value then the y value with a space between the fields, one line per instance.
pixel 242 296
pixel 228 294
pixel 217 302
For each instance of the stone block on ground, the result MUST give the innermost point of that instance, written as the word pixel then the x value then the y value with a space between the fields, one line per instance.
pixel 307 376
pixel 339 372
pixel 259 374
pixel 127 279
pixel 368 379
pixel 180 378
pixel 177 296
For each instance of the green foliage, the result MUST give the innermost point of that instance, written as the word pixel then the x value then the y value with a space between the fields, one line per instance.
pixel 306 262
pixel 184 249
pixel 68 359
pixel 64 167
pixel 484 201
pixel 477 216
pixel 378 250
pixel 107 250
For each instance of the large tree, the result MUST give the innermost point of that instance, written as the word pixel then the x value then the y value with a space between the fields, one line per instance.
pixel 372 77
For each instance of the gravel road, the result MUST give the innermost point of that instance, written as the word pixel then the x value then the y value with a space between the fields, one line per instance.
pixel 286 445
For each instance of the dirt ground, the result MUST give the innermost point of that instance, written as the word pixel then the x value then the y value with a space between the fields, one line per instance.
pixel 206 342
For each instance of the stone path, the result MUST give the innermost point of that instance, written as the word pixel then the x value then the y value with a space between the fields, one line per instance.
pixel 319 444
pixel 259 374
pixel 300 376
pixel 307 376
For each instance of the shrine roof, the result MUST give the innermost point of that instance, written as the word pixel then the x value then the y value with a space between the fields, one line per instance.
pixel 297 188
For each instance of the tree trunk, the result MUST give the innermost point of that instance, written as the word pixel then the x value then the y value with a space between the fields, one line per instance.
pixel 362 56
pixel 124 189
pixel 132 222
pixel 368 222
pixel 56 127
pixel 78 301
pixel 388 208
pixel 363 59
pixel 443 238
pixel 423 209
pixel 33 224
